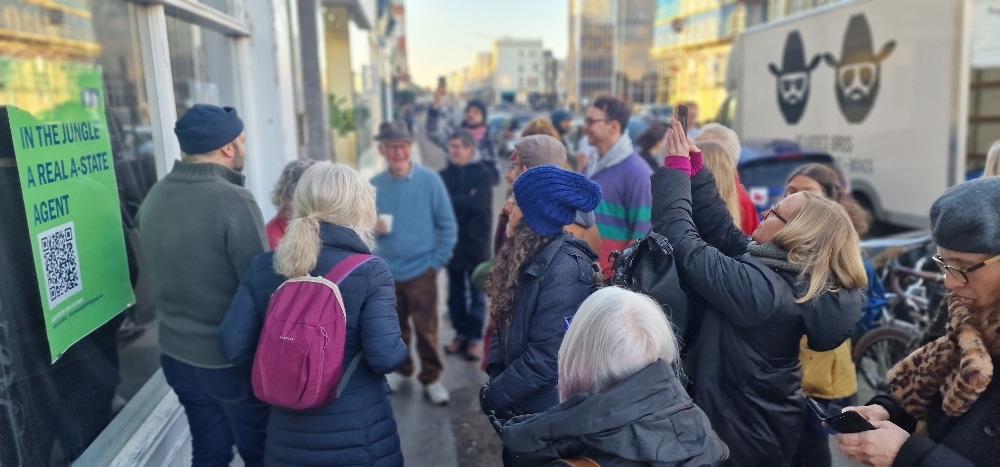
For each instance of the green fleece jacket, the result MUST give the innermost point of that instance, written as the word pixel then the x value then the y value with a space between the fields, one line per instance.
pixel 200 229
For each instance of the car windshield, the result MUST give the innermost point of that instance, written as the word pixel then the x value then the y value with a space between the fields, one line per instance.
pixel 773 172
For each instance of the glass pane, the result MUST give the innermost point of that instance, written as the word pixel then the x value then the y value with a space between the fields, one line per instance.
pixel 50 413
pixel 201 64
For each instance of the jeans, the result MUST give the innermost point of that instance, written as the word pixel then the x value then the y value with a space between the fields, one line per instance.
pixel 417 299
pixel 466 305
pixel 221 411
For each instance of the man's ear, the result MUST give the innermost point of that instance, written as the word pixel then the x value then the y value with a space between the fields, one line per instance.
pixel 228 150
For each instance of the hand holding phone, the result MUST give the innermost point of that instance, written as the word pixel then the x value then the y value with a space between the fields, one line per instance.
pixel 843 422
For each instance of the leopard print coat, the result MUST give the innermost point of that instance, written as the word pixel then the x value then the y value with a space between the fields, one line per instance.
pixel 958 365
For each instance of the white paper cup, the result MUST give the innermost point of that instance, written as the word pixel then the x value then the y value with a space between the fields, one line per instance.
pixel 387 220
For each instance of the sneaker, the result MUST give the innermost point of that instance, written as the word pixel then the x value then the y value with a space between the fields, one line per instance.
pixel 457 345
pixel 437 393
pixel 397 381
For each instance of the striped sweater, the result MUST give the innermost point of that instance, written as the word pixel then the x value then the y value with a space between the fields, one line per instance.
pixel 626 201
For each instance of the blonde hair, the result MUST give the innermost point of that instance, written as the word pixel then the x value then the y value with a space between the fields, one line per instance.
pixel 992 168
pixel 720 162
pixel 821 239
pixel 333 194
pixel 540 126
pixel 721 134
pixel 614 334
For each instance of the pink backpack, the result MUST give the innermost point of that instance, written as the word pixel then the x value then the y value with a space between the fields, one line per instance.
pixel 300 354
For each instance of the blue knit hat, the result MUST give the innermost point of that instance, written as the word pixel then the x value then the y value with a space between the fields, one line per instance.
pixel 558 116
pixel 966 219
pixel 549 197
pixel 205 128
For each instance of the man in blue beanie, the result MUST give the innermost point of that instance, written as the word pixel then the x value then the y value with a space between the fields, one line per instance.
pixel 200 228
pixel 562 120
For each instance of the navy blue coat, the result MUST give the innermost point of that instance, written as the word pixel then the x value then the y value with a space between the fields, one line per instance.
pixel 743 357
pixel 522 361
pixel 358 428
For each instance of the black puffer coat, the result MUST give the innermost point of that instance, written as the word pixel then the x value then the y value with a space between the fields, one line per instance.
pixel 647 420
pixel 522 361
pixel 743 360
pixel 358 428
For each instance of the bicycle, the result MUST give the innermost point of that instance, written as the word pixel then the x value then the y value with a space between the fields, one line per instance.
pixel 915 313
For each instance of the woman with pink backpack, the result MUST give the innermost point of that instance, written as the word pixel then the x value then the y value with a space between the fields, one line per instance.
pixel 333 223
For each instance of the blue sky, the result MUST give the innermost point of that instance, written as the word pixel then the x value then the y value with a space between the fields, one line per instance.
pixel 444 35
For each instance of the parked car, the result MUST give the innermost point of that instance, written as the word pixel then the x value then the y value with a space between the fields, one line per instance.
pixel 765 165
pixel 512 130
pixel 660 113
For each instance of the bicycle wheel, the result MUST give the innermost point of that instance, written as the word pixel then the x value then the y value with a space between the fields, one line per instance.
pixel 875 354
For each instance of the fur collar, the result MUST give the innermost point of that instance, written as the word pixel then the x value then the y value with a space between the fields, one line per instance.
pixel 958 365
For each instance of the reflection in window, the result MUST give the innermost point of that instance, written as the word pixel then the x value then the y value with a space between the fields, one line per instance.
pixel 50 413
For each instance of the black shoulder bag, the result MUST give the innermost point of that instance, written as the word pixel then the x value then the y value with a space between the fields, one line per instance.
pixel 647 266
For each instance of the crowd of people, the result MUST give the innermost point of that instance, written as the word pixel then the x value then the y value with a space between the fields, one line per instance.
pixel 576 369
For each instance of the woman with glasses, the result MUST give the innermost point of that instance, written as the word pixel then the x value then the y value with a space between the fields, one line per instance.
pixel 799 273
pixel 949 382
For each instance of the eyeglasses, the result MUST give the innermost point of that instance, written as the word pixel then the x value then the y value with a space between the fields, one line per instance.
pixel 590 121
pixel 513 165
pixel 962 274
pixel 773 211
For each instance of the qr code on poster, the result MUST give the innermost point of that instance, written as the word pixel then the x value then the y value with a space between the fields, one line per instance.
pixel 60 263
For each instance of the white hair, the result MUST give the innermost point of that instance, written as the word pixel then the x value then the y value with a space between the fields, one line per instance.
pixel 614 334
pixel 992 168
pixel 725 136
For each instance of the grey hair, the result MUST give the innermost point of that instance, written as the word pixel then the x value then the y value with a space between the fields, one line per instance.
pixel 331 193
pixel 725 136
pixel 992 168
pixel 284 190
pixel 614 334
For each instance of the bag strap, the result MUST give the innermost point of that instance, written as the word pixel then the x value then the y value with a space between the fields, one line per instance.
pixel 346 267
pixel 576 462
pixel 347 374
pixel 337 274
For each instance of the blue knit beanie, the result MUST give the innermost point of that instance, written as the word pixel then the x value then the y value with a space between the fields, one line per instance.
pixel 558 116
pixel 966 217
pixel 549 197
pixel 205 128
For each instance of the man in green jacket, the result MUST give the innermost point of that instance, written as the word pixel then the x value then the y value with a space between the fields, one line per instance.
pixel 200 228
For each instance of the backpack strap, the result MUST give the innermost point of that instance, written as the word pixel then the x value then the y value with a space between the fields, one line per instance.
pixel 346 267
pixel 337 274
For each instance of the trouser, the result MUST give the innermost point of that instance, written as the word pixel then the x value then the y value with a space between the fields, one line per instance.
pixel 221 411
pixel 416 299
pixel 466 305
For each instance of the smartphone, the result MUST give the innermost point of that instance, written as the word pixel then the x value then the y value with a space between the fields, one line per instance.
pixel 843 422
pixel 442 84
pixel 682 116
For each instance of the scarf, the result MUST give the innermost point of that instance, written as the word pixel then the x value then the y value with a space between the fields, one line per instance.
pixel 617 153
pixel 773 257
pixel 957 365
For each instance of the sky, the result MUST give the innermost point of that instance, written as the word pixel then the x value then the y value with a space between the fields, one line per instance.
pixel 444 35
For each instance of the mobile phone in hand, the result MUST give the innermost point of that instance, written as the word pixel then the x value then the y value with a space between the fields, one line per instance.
pixel 682 116
pixel 843 422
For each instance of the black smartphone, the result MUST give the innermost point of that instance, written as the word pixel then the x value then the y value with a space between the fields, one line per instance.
pixel 442 82
pixel 682 116
pixel 843 422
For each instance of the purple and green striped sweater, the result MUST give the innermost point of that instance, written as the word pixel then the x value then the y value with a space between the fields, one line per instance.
pixel 626 201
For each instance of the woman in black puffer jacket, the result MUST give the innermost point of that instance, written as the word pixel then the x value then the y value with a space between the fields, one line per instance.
pixel 800 273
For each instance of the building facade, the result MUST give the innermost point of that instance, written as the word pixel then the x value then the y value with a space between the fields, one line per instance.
pixel 609 46
pixel 104 401
pixel 518 73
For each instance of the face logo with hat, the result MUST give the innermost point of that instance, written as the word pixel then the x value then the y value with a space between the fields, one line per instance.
pixel 857 71
pixel 793 78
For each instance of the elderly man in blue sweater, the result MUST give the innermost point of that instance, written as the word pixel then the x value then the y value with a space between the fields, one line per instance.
pixel 416 235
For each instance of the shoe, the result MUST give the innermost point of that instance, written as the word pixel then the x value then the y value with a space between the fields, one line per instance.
pixel 457 345
pixel 474 351
pixel 397 382
pixel 437 393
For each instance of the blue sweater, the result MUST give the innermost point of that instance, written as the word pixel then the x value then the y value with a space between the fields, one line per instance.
pixel 423 225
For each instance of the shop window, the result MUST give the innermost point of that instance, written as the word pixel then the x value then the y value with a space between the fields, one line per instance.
pixel 50 412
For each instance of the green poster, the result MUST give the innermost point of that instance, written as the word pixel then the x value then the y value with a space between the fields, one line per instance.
pixel 71 202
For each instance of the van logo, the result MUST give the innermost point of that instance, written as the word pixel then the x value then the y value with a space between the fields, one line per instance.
pixel 793 78
pixel 858 70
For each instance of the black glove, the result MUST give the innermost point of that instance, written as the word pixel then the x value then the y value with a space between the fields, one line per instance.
pixel 482 399
pixel 496 423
